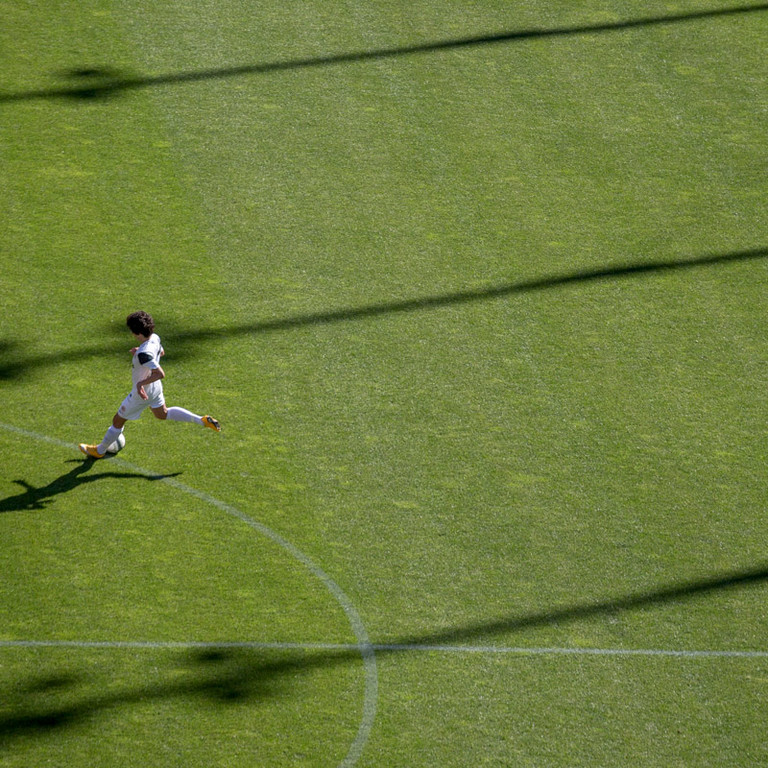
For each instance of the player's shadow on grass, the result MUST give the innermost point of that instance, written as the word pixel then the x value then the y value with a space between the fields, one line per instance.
pixel 32 498
pixel 187 343
pixel 102 82
pixel 227 675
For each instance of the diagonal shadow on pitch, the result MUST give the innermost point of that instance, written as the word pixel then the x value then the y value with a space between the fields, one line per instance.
pixel 14 365
pixel 474 296
pixel 227 676
pixel 32 498
pixel 106 82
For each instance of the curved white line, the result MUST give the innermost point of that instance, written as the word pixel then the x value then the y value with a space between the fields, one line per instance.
pixel 367 651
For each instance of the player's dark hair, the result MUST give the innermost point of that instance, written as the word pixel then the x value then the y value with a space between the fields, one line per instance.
pixel 141 323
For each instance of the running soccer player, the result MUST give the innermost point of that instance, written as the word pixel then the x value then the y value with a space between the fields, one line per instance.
pixel 147 391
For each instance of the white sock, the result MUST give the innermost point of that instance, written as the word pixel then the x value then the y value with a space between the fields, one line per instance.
pixel 112 434
pixel 182 414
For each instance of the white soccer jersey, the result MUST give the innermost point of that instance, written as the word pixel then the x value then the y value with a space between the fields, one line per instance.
pixel 147 358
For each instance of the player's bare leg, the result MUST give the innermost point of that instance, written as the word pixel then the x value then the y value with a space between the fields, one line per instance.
pixel 182 414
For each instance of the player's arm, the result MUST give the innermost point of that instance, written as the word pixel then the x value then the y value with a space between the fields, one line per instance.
pixel 156 374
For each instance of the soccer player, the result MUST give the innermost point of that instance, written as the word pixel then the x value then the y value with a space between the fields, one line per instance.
pixel 147 391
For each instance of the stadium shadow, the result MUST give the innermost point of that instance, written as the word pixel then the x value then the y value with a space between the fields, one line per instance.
pixel 468 297
pixel 227 675
pixel 213 676
pixel 38 498
pixel 185 343
pixel 106 82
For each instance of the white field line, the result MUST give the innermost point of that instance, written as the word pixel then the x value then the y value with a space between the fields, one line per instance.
pixel 385 648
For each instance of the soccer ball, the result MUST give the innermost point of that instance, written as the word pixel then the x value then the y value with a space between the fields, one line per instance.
pixel 118 445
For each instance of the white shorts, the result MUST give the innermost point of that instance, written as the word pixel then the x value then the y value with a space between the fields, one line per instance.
pixel 133 406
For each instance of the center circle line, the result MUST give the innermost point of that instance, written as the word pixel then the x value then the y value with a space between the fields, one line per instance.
pixel 364 645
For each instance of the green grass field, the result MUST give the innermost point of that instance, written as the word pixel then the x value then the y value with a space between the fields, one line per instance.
pixel 477 292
